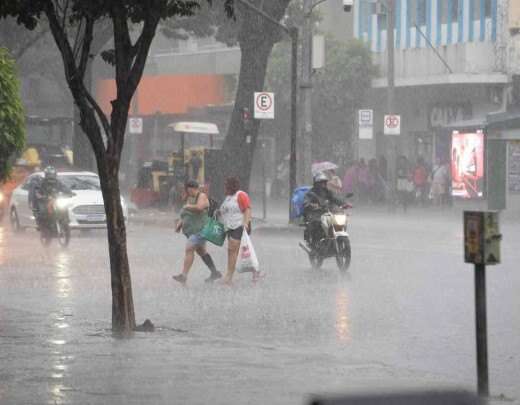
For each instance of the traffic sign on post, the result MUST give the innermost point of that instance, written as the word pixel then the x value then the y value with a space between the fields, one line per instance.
pixel 366 124
pixel 135 125
pixel 392 125
pixel 264 105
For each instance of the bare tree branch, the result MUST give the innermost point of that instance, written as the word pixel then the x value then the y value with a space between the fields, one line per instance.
pixel 86 45
pixel 77 40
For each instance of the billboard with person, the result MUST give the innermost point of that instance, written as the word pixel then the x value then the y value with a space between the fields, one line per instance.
pixel 467 164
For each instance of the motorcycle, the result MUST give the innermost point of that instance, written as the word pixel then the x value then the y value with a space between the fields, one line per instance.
pixel 335 241
pixel 56 223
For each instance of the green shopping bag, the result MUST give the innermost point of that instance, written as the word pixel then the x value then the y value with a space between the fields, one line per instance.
pixel 214 232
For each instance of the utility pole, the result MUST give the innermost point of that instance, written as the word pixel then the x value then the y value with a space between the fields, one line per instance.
pixel 306 92
pixel 293 32
pixel 390 106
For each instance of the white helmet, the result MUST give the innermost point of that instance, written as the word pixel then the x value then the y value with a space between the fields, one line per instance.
pixel 319 177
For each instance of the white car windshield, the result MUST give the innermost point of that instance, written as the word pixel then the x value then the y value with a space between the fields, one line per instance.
pixel 80 182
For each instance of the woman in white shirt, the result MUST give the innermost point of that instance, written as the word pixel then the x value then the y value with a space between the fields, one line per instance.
pixel 235 214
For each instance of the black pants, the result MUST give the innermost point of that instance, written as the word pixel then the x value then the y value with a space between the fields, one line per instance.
pixel 313 232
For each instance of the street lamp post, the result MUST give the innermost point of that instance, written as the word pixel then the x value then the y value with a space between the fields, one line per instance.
pixel 306 84
pixel 306 91
pixel 390 106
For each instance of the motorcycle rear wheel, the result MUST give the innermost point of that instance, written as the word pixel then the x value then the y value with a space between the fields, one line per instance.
pixel 316 261
pixel 45 237
pixel 344 255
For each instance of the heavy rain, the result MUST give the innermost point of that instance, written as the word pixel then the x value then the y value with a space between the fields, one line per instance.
pixel 259 201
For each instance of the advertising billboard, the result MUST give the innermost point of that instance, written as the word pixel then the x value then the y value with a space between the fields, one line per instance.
pixel 467 164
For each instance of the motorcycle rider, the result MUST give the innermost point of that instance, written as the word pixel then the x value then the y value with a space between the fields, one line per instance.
pixel 43 191
pixel 316 201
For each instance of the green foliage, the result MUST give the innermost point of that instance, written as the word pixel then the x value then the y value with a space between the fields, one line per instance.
pixel 12 123
pixel 339 89
pixel 28 12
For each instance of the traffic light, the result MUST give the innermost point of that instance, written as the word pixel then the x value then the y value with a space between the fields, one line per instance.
pixel 246 118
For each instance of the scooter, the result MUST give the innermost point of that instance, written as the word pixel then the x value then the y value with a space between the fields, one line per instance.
pixel 56 222
pixel 335 241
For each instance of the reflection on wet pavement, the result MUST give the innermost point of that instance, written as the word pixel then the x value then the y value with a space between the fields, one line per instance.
pixel 296 331
pixel 342 318
pixel 3 245
pixel 64 292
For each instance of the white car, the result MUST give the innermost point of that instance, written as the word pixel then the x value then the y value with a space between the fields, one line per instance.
pixel 86 209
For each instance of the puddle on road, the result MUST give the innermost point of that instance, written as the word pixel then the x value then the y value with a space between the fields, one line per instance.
pixel 3 243
pixel 342 316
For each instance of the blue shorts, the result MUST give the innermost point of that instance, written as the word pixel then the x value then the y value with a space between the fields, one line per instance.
pixel 195 241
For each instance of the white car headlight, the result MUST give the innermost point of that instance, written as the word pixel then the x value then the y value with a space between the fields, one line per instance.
pixel 63 203
pixel 340 219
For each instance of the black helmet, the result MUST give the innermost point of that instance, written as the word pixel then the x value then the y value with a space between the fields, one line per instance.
pixel 50 173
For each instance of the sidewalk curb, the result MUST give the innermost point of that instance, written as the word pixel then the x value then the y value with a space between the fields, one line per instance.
pixel 169 222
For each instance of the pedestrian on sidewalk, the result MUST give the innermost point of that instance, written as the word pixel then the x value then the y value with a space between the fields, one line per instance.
pixel 439 183
pixel 194 216
pixel 235 214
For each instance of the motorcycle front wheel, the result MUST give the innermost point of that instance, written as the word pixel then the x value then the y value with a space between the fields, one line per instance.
pixel 63 233
pixel 343 255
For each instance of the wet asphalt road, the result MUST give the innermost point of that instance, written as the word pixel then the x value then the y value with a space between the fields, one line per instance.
pixel 403 317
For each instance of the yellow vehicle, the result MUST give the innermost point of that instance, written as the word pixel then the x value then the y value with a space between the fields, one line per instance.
pixel 194 148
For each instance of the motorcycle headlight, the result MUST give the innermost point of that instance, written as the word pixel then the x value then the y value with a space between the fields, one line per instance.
pixel 340 219
pixel 62 203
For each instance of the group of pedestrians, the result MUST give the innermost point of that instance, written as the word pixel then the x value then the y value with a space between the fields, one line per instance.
pixel 421 184
pixel 417 183
pixel 366 181
pixel 234 213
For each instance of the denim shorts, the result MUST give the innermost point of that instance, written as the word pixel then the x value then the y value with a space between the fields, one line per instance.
pixel 195 240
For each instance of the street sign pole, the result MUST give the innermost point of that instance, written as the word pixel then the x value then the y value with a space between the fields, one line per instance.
pixel 264 184
pixel 481 328
pixel 391 90
pixel 481 246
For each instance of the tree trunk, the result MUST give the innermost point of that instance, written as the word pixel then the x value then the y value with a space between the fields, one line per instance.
pixel 237 155
pixel 123 316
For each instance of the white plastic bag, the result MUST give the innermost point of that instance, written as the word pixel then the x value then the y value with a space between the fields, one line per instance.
pixel 247 260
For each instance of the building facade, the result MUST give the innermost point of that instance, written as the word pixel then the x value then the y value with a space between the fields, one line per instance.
pixel 456 62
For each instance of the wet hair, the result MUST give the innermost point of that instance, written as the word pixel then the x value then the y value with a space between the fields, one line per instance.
pixel 231 185
pixel 191 184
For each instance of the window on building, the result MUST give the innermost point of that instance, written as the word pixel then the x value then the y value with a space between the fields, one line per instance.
pixel 454 12
pixel 487 8
pixel 421 12
pixel 381 21
pixel 412 12
pixel 476 9
pixel 443 11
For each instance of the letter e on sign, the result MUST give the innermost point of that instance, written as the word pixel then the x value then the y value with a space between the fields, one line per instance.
pixel 264 105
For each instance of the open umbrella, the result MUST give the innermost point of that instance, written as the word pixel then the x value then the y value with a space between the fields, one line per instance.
pixel 322 166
